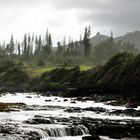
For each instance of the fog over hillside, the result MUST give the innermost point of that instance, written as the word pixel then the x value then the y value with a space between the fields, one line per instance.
pixel 132 37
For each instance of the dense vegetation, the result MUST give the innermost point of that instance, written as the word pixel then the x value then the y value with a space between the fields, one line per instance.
pixel 116 64
pixel 13 75
pixel 120 74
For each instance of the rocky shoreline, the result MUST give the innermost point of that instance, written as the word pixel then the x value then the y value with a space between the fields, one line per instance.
pixel 116 129
pixel 101 127
pixel 8 107
pixel 95 93
pixel 73 127
pixel 51 121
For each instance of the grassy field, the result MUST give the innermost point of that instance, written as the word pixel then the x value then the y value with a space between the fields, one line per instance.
pixel 36 72
pixel 84 68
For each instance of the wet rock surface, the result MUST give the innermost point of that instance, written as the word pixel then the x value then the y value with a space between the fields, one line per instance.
pixel 72 127
pixel 127 112
pixel 13 132
pixel 95 109
pixel 113 128
pixel 8 107
pixel 35 132
pixel 96 127
pixel 59 117
pixel 39 120
pixel 43 107
pixel 72 109
pixel 93 137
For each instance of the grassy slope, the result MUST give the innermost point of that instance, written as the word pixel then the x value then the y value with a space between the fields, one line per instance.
pixel 36 72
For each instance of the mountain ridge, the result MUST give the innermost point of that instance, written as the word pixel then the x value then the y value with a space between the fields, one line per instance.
pixel 132 37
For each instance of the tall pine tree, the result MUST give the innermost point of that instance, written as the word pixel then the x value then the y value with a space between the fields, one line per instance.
pixel 86 42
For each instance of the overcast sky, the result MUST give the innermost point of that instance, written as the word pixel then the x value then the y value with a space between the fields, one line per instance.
pixel 67 17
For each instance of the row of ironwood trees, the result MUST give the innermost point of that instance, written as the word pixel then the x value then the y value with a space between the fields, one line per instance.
pixel 30 45
pixel 40 50
pixel 33 44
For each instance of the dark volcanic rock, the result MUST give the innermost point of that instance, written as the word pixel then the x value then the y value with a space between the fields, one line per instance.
pixel 95 109
pixel 62 119
pixel 73 102
pixel 73 110
pixel 48 100
pixel 127 112
pixel 42 120
pixel 39 120
pixel 131 103
pixel 65 100
pixel 113 128
pixel 12 131
pixel 94 137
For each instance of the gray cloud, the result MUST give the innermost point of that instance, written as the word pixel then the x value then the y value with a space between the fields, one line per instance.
pixel 122 14
pixel 78 4
pixel 68 16
pixel 101 12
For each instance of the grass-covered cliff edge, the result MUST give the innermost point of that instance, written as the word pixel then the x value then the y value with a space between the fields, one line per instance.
pixel 120 75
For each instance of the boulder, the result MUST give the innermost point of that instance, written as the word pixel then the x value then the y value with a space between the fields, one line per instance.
pixel 39 120
pixel 94 137
pixel 131 103
pixel 96 109
pixel 127 112
pixel 65 100
pixel 73 110
pixel 73 102
pixel 48 100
